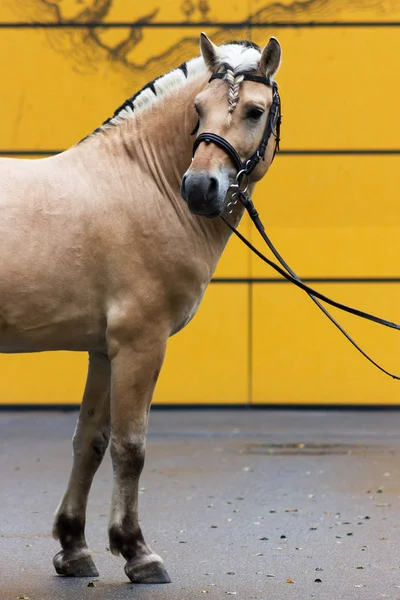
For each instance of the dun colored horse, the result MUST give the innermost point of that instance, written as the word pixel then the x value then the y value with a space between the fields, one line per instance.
pixel 105 248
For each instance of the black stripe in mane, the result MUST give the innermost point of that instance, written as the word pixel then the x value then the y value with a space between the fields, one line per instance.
pixel 130 102
pixel 183 68
pixel 245 43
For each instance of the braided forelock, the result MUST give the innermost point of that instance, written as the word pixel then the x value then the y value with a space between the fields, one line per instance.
pixel 234 82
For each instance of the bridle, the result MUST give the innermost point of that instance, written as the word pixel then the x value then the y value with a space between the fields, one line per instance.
pixel 239 190
pixel 272 127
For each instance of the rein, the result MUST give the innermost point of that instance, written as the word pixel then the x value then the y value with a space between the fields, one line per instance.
pixel 244 168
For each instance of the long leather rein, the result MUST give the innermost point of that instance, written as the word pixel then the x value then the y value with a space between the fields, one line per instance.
pixel 244 168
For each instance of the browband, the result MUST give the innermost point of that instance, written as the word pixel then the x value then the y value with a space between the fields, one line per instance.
pixel 246 77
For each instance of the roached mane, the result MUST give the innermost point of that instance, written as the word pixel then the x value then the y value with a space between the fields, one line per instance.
pixel 235 58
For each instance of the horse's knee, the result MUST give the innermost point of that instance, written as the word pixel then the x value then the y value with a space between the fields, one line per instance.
pixel 128 456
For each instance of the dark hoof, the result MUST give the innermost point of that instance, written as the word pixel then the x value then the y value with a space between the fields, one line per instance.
pixel 147 569
pixel 75 564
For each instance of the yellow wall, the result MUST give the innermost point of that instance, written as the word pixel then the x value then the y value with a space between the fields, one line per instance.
pixel 331 216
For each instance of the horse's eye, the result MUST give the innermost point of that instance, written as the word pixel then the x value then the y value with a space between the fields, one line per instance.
pixel 255 114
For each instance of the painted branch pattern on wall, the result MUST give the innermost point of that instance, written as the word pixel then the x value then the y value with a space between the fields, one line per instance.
pixel 87 46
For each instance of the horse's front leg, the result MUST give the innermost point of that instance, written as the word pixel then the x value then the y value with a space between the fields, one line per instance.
pixel 90 442
pixel 134 371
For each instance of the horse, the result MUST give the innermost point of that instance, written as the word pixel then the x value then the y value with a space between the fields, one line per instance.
pixel 108 247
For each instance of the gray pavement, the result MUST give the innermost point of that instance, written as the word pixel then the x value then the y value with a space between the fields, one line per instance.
pixel 256 505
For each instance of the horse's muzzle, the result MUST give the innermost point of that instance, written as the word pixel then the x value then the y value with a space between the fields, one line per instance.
pixel 203 194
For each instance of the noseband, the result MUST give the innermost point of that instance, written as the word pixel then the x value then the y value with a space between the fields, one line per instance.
pixel 272 128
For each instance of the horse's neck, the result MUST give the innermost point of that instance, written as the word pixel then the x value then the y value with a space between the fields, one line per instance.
pixel 160 136
pixel 158 142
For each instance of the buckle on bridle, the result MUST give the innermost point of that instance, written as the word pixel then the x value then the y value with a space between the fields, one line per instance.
pixel 237 189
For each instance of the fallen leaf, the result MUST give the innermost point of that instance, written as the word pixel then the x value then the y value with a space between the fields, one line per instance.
pixel 289 581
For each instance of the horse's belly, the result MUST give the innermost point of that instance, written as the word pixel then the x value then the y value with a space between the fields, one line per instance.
pixel 35 336
pixel 38 316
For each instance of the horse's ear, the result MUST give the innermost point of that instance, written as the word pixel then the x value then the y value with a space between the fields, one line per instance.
pixel 209 52
pixel 271 58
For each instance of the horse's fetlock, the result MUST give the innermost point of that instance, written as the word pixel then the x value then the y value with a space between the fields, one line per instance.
pixel 69 530
pixel 125 539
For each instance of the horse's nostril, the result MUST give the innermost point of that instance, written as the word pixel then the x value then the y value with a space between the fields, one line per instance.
pixel 183 184
pixel 212 188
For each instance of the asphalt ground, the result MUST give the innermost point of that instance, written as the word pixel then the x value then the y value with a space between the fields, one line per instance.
pixel 256 505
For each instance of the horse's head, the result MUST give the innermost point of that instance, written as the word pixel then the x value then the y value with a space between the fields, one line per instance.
pixel 237 112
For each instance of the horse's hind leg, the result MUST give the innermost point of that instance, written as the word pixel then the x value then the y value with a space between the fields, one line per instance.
pixel 90 442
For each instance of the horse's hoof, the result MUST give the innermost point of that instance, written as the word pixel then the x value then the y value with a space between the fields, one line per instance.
pixel 147 569
pixel 75 564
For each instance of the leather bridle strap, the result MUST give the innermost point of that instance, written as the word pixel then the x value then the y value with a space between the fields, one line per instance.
pixel 272 127
pixel 222 143
pixel 291 276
